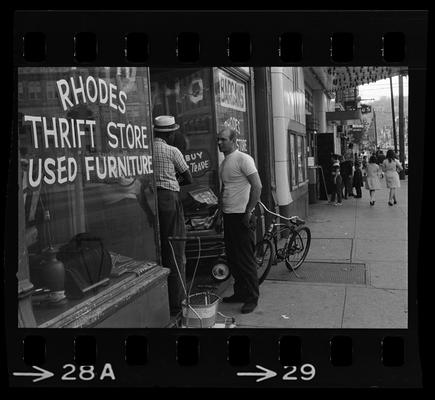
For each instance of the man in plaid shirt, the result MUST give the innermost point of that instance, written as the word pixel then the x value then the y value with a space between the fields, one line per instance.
pixel 168 161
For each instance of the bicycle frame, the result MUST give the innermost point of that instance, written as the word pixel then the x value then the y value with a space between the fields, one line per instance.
pixel 272 235
pixel 290 247
pixel 277 228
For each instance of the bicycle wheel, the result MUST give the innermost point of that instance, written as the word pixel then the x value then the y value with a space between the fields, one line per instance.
pixel 298 247
pixel 263 257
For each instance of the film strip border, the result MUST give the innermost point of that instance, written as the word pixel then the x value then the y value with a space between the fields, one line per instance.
pixel 220 38
pixel 177 359
pixel 216 357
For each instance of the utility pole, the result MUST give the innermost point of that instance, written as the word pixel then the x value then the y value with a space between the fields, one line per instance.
pixel 393 115
pixel 401 129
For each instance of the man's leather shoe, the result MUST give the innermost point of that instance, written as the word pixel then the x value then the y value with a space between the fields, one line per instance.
pixel 248 308
pixel 232 299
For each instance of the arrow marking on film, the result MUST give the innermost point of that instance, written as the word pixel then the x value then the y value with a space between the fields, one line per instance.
pixel 43 374
pixel 263 375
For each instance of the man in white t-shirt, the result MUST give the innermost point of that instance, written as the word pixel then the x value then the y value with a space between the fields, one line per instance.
pixel 241 189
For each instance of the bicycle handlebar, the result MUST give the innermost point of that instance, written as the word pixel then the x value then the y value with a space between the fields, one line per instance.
pixel 294 219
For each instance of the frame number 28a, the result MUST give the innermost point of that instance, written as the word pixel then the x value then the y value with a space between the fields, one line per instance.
pixel 87 372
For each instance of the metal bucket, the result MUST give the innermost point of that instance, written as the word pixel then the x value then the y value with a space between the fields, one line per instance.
pixel 200 311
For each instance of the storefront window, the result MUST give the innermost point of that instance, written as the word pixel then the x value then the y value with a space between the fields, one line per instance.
pixel 185 94
pixel 292 161
pixel 51 90
pixel 232 106
pixel 300 159
pixel 20 90
pixel 86 179
pixel 34 90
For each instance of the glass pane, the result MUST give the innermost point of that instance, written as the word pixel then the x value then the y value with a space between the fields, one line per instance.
pixel 300 166
pixel 232 107
pixel 306 154
pixel 292 160
pixel 185 94
pixel 87 181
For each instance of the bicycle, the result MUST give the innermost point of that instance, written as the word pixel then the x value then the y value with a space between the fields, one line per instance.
pixel 294 250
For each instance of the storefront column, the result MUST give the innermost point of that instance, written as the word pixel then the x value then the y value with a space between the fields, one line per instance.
pixel 320 108
pixel 282 111
pixel 264 129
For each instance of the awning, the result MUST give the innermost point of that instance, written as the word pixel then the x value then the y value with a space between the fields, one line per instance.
pixel 344 78
pixel 343 115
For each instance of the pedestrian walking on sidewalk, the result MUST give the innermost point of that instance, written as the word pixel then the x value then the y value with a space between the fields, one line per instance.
pixel 336 181
pixel 364 162
pixel 391 166
pixel 346 167
pixel 241 189
pixel 357 158
pixel 373 172
pixel 357 180
pixel 380 157
pixel 346 173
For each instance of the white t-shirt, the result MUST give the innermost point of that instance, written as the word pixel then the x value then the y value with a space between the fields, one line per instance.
pixel 233 172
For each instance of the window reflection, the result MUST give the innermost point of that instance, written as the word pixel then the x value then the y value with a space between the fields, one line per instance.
pixel 185 94
pixel 87 178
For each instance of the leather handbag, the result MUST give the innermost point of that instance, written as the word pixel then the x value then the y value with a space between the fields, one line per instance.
pixel 86 261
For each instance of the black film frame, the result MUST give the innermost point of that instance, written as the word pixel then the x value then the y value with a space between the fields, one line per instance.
pixel 212 29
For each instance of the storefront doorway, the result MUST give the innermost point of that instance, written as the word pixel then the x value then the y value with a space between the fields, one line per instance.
pixel 203 101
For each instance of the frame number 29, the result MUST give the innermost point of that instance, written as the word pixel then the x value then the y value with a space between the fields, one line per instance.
pixel 307 373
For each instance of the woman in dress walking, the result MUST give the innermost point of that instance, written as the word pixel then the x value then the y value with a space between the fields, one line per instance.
pixel 372 178
pixel 391 166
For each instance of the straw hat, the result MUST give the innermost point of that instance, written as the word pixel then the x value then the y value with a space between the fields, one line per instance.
pixel 165 123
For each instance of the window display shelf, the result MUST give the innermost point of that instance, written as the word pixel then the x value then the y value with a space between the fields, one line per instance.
pixel 118 293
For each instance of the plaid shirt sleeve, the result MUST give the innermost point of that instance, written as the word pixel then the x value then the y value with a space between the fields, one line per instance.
pixel 179 161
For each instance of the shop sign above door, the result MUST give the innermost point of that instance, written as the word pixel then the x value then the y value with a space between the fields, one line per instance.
pixel 232 93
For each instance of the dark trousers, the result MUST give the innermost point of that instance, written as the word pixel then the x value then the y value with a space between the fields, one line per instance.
pixel 337 189
pixel 239 246
pixel 347 185
pixel 171 220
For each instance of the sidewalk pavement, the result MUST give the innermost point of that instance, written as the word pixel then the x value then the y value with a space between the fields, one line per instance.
pixel 354 233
